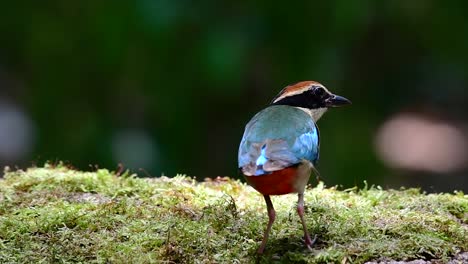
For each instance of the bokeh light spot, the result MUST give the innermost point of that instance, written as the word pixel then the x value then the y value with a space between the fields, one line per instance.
pixel 16 133
pixel 417 142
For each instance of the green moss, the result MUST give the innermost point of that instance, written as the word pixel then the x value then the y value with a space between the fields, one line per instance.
pixel 55 214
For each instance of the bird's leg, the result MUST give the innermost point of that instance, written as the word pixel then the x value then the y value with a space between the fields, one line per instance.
pixel 271 219
pixel 300 211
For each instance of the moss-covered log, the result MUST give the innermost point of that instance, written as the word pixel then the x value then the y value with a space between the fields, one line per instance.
pixel 55 214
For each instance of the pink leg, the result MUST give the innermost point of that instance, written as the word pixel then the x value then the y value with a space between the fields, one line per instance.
pixel 300 211
pixel 271 219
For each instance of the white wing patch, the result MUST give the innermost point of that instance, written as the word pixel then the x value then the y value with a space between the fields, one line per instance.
pixel 268 156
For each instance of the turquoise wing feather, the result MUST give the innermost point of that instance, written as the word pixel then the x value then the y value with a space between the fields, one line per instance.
pixel 278 137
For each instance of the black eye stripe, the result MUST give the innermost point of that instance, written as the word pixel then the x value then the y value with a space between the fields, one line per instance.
pixel 307 99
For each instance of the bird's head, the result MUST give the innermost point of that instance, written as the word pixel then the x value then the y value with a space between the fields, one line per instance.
pixel 311 97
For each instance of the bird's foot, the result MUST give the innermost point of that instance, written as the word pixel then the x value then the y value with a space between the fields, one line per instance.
pixel 309 242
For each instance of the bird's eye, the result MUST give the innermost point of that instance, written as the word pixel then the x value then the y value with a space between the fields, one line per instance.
pixel 319 92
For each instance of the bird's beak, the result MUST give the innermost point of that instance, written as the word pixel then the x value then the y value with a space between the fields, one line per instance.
pixel 336 101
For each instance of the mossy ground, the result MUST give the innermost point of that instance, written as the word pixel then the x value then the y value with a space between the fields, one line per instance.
pixel 55 214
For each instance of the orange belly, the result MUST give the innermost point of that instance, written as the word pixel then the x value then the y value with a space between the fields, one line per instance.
pixel 275 183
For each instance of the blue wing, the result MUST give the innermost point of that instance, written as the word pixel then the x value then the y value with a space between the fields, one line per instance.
pixel 276 138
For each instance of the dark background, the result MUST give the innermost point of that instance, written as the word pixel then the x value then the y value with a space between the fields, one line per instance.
pixel 168 85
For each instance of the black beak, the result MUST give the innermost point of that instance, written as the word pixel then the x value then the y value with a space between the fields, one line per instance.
pixel 336 101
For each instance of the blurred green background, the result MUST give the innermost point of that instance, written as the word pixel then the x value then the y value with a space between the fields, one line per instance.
pixel 168 86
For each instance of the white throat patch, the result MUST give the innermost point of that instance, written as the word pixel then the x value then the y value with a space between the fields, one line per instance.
pixel 314 113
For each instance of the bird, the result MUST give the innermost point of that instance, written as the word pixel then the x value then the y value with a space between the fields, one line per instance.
pixel 280 146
